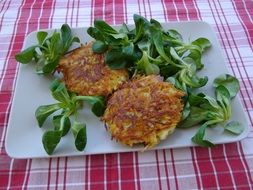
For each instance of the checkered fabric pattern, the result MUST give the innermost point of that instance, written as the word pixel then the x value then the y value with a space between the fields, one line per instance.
pixel 227 166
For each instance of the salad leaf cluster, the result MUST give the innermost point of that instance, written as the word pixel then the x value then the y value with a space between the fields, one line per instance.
pixel 209 111
pixel 48 51
pixel 149 49
pixel 67 104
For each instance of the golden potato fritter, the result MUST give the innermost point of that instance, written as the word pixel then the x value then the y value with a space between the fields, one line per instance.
pixel 144 110
pixel 85 73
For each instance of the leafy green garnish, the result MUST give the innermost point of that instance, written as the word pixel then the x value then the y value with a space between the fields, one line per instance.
pixel 68 104
pixel 208 111
pixel 97 102
pixel 50 140
pixel 145 66
pixel 44 111
pixel 149 49
pixel 198 138
pixel 26 55
pixel 79 132
pixel 234 127
pixel 203 43
pixel 48 51
pixel 229 82
pixel 99 47
pixel 61 123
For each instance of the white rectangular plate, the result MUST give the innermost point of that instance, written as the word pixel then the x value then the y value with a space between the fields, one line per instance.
pixel 24 137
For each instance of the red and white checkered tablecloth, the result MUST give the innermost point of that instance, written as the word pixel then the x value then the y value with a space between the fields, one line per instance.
pixel 227 166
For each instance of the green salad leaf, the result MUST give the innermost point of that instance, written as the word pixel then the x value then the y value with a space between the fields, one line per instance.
pixel 61 123
pixel 67 104
pixel 42 112
pixel 79 132
pixel 229 82
pixel 26 55
pixel 50 140
pixel 234 127
pixel 49 49
pixel 208 111
pixel 198 138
